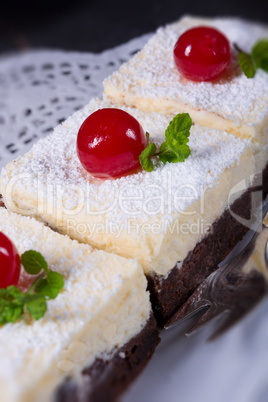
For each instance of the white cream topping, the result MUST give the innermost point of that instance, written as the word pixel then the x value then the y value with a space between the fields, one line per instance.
pixel 150 81
pixel 103 305
pixel 157 217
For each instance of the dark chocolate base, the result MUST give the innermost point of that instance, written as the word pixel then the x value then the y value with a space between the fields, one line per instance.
pixel 107 378
pixel 168 294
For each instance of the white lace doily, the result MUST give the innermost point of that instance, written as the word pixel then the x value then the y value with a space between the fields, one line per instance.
pixel 40 89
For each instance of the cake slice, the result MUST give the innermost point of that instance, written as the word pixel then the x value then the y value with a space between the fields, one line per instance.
pixel 95 336
pixel 175 220
pixel 150 81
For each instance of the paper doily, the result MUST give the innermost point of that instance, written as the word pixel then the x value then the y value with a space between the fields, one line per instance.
pixel 40 89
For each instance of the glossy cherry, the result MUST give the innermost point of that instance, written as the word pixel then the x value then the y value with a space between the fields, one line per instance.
pixel 202 54
pixel 9 262
pixel 109 143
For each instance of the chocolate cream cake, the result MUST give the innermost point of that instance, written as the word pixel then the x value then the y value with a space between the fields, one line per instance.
pixel 95 337
pixel 180 220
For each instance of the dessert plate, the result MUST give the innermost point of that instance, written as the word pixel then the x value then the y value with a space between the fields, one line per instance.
pixel 37 91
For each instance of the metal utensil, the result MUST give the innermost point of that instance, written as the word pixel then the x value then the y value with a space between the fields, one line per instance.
pixel 232 290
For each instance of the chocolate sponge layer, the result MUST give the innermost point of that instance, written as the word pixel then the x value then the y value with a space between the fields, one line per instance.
pixel 169 293
pixel 108 377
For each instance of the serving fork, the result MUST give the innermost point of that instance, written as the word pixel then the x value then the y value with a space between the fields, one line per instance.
pixel 232 290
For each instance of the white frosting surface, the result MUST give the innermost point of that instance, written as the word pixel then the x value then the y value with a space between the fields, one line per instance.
pixel 103 305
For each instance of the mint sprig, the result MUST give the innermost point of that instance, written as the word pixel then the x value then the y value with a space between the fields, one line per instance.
pixel 174 149
pixel 258 58
pixel 14 303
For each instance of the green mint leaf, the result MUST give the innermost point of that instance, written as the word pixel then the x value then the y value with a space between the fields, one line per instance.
pixel 51 286
pixel 247 64
pixel 55 279
pixel 11 304
pixel 178 155
pixel 36 305
pixel 147 138
pixel 182 151
pixel 145 157
pixel 177 135
pixel 4 295
pixel 33 262
pixel 4 311
pixel 179 127
pixel 259 54
pixel 11 293
pixel 3 292
pixel 15 293
pixel 10 311
pixel 14 311
pixel 167 155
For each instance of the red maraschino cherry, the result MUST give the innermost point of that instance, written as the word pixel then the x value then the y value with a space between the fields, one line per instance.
pixel 9 262
pixel 109 143
pixel 202 54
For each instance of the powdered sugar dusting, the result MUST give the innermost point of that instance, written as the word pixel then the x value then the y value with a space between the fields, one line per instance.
pixel 151 74
pixel 54 160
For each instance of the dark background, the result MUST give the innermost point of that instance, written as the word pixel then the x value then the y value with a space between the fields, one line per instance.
pixel 98 25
